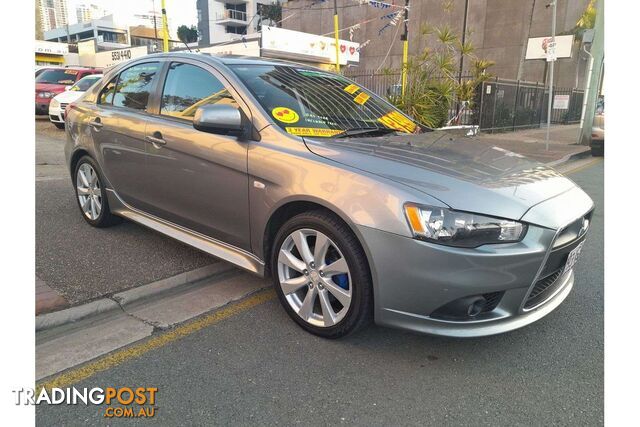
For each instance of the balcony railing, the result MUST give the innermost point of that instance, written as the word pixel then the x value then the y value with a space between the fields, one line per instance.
pixel 236 15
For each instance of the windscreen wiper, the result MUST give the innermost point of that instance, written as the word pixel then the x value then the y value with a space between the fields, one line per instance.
pixel 364 131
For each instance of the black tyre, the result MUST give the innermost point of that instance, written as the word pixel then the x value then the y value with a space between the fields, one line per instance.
pixel 321 275
pixel 58 125
pixel 91 194
pixel 597 151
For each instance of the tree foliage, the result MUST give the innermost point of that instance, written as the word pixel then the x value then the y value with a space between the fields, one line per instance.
pixel 187 34
pixel 432 76
pixel 586 21
pixel 271 12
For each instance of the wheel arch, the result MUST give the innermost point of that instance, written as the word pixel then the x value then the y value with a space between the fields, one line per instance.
pixel 75 157
pixel 292 207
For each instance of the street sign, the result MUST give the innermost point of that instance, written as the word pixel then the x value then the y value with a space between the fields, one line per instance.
pixel 551 51
pixel 561 102
pixel 539 47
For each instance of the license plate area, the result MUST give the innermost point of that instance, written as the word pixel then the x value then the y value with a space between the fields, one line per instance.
pixel 572 258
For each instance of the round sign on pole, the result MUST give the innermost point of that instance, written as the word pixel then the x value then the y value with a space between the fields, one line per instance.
pixel 551 52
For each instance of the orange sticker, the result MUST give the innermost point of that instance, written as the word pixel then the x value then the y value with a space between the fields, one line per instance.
pixel 361 98
pixel 351 89
pixel 312 131
pixel 395 120
pixel 285 115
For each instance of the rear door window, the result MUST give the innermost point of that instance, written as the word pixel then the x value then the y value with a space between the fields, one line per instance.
pixel 135 84
pixel 187 87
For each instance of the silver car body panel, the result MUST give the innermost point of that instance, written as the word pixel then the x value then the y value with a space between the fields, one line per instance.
pixel 365 181
pixel 214 247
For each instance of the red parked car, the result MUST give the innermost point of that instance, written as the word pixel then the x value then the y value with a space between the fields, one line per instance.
pixel 53 81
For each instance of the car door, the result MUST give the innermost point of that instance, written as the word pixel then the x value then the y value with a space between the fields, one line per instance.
pixel 197 179
pixel 118 129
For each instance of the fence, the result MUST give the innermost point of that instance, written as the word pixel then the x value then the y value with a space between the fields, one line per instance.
pixel 508 105
pixel 500 105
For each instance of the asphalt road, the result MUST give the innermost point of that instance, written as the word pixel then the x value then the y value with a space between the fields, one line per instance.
pixel 258 367
pixel 82 262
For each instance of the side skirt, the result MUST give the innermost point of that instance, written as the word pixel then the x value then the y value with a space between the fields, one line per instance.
pixel 224 251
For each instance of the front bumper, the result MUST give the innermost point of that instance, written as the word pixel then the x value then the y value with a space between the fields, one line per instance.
pixel 56 114
pixel 42 108
pixel 414 279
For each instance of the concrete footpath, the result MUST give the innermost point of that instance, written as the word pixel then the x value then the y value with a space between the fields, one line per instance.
pixel 76 335
pixel 532 143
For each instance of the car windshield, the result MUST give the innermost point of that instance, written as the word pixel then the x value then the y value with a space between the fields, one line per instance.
pixel 59 77
pixel 85 83
pixel 309 102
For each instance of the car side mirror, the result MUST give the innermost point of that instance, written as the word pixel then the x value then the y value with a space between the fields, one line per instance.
pixel 67 88
pixel 222 119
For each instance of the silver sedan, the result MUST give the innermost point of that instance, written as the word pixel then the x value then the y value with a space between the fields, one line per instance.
pixel 356 212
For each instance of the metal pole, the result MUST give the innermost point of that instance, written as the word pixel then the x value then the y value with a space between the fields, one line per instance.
pixel 464 39
pixel 553 60
pixel 405 47
pixel 155 26
pixel 595 73
pixel 336 33
pixel 165 28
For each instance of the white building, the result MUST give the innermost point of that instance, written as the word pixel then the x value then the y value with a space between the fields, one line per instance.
pixel 224 20
pixel 107 33
pixel 53 14
pixel 87 12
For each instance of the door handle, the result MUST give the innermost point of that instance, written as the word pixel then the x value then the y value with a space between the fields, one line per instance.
pixel 96 123
pixel 156 139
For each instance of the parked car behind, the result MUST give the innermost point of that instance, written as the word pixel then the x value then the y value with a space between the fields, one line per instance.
pixel 353 209
pixel 53 81
pixel 59 102
pixel 597 135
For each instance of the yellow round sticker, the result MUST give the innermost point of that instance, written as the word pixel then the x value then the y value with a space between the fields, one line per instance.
pixel 285 115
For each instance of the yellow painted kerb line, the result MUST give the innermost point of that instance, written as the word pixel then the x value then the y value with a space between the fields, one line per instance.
pixel 583 167
pixel 114 359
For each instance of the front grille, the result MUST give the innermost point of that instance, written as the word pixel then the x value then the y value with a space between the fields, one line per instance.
pixel 63 106
pixel 543 289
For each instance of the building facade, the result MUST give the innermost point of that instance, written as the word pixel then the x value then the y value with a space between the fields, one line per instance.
pixel 105 31
pixel 87 12
pixel 225 20
pixel 151 37
pixel 53 14
pixel 498 29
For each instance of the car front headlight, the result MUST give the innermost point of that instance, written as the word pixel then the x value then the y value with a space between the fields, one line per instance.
pixel 461 229
pixel 54 103
pixel 45 94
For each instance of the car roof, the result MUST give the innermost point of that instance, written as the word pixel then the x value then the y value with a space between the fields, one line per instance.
pixel 227 59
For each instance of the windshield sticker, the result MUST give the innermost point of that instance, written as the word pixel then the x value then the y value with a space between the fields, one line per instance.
pixel 312 131
pixel 361 98
pixel 351 89
pixel 395 120
pixel 285 115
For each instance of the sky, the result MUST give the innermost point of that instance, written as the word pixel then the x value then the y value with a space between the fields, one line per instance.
pixel 178 11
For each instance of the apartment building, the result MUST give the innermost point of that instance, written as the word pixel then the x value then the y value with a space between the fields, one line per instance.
pixel 53 14
pixel 225 20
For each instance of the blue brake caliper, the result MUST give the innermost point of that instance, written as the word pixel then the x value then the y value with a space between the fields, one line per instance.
pixel 342 280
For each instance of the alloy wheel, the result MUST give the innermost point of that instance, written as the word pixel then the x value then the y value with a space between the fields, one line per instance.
pixel 89 192
pixel 314 277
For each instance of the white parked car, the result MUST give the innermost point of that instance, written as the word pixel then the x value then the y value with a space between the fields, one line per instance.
pixel 60 102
